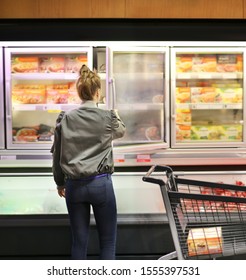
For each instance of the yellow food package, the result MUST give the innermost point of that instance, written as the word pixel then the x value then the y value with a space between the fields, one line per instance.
pixel 182 94
pixel 184 63
pixel 231 95
pixel 28 94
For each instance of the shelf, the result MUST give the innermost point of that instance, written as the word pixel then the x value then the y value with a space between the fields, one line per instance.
pixel 44 76
pixel 207 75
pixel 209 106
pixel 49 107
pixel 140 106
pixel 140 75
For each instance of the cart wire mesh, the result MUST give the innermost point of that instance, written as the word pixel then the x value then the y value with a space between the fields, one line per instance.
pixel 207 220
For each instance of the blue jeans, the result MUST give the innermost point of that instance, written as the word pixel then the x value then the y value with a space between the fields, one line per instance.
pixel 98 193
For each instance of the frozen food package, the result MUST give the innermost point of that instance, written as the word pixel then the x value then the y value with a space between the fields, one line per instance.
pixel 183 132
pixel 25 134
pixel 51 64
pixel 183 94
pixel 233 132
pixel 57 94
pixel 217 132
pixel 183 116
pixel 152 133
pixel 36 133
pixel 204 241
pixel 204 95
pixel 73 97
pixel 158 98
pixel 230 94
pixel 28 94
pixel 209 63
pixel 229 63
pixel 184 63
pixel 24 64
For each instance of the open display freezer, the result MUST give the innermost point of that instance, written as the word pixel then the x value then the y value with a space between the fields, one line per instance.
pixel 208 104
pixel 40 82
pixel 31 209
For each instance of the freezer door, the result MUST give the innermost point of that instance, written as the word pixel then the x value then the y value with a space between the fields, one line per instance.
pixel 2 119
pixel 138 89
pixel 207 100
pixel 40 82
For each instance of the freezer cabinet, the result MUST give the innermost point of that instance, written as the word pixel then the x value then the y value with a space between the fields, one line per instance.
pixel 35 194
pixel 207 91
pixel 138 80
pixel 40 82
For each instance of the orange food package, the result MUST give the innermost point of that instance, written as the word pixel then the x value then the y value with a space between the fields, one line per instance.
pixel 28 94
pixel 239 64
pixel 204 95
pixel 52 64
pixel 205 241
pixel 24 64
pixel 209 63
pixel 228 63
pixel 57 94
pixel 73 97
pixel 183 116
pixel 74 63
pixel 183 132
pixel 184 63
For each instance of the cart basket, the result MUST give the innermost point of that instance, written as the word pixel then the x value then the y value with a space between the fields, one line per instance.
pixel 207 220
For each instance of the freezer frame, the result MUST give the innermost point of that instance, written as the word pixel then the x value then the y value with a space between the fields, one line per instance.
pixel 208 50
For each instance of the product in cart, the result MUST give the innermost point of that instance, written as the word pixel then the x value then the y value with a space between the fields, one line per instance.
pixel 204 241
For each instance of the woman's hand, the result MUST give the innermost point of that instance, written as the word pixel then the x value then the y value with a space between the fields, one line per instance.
pixel 61 192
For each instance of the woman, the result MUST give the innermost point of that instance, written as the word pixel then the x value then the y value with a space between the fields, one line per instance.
pixel 83 164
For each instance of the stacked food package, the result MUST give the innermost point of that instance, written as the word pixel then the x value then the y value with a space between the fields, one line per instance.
pixel 209 63
pixel 47 64
pixel 215 206
pixel 206 94
pixel 58 93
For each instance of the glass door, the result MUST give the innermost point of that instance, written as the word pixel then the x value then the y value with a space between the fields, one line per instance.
pixel 40 82
pixel 138 86
pixel 207 97
pixel 2 119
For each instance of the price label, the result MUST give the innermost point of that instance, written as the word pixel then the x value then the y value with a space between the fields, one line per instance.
pixel 119 158
pixel 143 158
pixel 7 157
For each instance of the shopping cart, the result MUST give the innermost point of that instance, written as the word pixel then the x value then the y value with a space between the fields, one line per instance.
pixel 207 220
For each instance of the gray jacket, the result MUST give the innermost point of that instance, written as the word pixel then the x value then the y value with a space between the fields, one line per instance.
pixel 83 143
